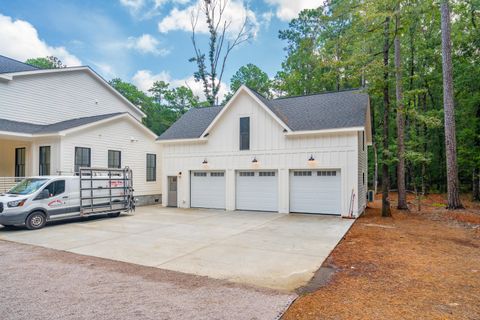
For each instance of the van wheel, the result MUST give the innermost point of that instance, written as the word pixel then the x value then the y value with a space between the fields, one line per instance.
pixel 113 214
pixel 36 220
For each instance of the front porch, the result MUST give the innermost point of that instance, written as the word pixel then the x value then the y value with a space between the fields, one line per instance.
pixel 22 156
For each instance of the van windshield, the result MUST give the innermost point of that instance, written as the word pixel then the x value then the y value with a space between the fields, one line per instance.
pixel 28 186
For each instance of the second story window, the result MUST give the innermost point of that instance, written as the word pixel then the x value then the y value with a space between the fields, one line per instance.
pixel 151 167
pixel 245 133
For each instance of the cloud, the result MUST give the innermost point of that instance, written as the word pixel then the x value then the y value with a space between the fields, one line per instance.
pixel 146 9
pixel 289 9
pixel 144 80
pixel 235 11
pixel 146 44
pixel 20 41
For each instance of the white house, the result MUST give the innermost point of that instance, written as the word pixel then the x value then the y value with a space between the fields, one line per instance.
pixel 54 121
pixel 301 154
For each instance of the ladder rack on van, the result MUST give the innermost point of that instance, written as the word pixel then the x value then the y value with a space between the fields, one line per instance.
pixel 105 190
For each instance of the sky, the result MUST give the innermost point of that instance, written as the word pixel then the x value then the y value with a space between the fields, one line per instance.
pixel 141 41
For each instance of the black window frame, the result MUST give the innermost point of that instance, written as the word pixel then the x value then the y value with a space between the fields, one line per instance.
pixel 20 166
pixel 244 132
pixel 44 160
pixel 110 162
pixel 82 164
pixel 151 171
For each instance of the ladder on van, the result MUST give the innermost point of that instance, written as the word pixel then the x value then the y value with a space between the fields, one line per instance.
pixel 106 190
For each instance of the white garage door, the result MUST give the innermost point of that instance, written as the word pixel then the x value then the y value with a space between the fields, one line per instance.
pixel 315 191
pixel 257 190
pixel 207 189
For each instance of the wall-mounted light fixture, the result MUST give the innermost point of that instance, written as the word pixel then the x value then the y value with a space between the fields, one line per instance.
pixel 205 161
pixel 311 159
pixel 254 160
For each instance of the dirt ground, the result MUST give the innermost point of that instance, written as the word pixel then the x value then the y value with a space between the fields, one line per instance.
pixel 416 265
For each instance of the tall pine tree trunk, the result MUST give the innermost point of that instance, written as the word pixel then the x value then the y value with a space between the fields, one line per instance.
pixel 448 107
pixel 402 194
pixel 476 185
pixel 386 108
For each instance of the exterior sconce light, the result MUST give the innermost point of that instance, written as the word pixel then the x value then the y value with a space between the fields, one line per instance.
pixel 205 161
pixel 254 160
pixel 311 159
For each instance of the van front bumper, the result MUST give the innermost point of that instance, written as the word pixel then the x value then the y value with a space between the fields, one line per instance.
pixel 12 218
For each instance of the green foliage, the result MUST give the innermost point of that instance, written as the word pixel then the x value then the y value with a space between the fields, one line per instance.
pixel 49 62
pixel 253 77
pixel 340 46
pixel 165 105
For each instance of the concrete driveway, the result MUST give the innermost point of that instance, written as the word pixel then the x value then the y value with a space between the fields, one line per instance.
pixel 278 251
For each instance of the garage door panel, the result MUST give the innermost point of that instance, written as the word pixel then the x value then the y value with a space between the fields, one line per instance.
pixel 257 190
pixel 315 191
pixel 207 189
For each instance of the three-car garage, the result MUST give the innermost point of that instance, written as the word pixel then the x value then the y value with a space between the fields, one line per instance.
pixel 310 191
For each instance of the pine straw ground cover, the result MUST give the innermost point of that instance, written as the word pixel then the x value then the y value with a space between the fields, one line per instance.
pixel 416 265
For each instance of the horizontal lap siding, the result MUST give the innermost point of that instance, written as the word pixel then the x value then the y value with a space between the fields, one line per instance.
pixel 117 135
pixel 50 98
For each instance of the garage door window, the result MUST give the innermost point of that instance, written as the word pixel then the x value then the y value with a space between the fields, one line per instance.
pixel 199 174
pixel 246 174
pixel 217 174
pixel 326 173
pixel 302 173
pixel 267 174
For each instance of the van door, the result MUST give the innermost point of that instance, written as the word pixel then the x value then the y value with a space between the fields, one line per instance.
pixel 57 203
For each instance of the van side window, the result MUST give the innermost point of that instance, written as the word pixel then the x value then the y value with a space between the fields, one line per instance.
pixel 55 188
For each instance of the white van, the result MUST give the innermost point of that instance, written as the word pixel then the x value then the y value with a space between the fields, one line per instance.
pixel 36 200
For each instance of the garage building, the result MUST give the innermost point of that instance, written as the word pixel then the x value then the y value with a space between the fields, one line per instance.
pixel 305 154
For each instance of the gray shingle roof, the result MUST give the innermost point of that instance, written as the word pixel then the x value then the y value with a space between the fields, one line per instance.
pixel 10 65
pixel 333 110
pixel 30 128
pixel 191 124
pixel 330 110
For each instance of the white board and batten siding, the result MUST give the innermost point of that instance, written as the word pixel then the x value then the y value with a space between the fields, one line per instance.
pixel 273 150
pixel 60 96
pixel 121 135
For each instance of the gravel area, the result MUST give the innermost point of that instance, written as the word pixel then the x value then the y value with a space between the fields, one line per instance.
pixel 41 283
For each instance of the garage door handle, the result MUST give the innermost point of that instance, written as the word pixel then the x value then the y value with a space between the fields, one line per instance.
pixel 65 197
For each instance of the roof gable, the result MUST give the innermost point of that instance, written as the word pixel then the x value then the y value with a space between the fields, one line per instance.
pixel 318 112
pixel 35 71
